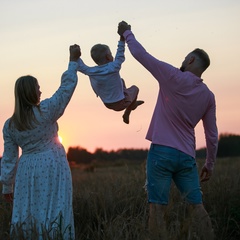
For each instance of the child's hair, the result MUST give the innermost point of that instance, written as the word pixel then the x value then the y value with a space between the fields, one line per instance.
pixel 98 53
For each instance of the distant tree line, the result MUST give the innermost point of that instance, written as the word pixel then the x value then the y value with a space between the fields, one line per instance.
pixel 228 146
pixel 81 155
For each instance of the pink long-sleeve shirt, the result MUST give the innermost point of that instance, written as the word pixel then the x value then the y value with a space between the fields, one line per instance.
pixel 183 101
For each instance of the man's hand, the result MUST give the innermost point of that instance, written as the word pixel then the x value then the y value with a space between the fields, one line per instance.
pixel 205 174
pixel 75 52
pixel 8 197
pixel 122 27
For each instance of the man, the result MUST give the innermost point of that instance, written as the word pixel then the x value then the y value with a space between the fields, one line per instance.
pixel 182 102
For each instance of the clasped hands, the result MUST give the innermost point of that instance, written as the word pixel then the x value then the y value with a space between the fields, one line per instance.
pixel 122 27
pixel 75 52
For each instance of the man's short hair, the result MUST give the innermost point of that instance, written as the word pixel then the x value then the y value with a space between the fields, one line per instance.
pixel 203 57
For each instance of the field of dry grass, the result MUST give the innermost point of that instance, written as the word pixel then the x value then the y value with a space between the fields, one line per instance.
pixel 110 203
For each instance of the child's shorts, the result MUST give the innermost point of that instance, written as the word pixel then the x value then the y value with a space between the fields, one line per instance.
pixel 130 96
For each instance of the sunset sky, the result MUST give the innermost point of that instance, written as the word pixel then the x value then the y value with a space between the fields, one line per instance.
pixel 35 38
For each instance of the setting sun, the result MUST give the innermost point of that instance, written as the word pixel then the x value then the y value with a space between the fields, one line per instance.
pixel 60 139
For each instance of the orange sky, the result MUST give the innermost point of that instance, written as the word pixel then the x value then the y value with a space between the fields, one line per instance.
pixel 35 37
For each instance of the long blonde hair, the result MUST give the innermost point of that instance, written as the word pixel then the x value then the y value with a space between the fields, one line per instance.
pixel 26 98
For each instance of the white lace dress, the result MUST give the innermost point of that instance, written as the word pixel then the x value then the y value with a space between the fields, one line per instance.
pixel 41 176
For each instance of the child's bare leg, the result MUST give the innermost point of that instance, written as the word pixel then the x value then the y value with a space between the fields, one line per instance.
pixel 128 110
pixel 126 116
pixel 137 103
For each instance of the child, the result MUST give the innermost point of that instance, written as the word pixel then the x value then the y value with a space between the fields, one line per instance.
pixel 106 81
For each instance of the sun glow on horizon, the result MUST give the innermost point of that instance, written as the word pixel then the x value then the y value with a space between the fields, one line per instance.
pixel 60 139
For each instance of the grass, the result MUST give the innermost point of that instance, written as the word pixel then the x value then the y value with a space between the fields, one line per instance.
pixel 110 203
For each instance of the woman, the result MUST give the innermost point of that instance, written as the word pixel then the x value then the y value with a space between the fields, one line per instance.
pixel 41 176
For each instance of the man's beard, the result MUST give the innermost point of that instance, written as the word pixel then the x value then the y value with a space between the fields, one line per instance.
pixel 182 68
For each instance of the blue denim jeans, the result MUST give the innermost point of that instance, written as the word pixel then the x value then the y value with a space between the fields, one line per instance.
pixel 166 164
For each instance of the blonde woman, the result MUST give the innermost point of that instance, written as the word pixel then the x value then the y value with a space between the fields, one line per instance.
pixel 42 199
